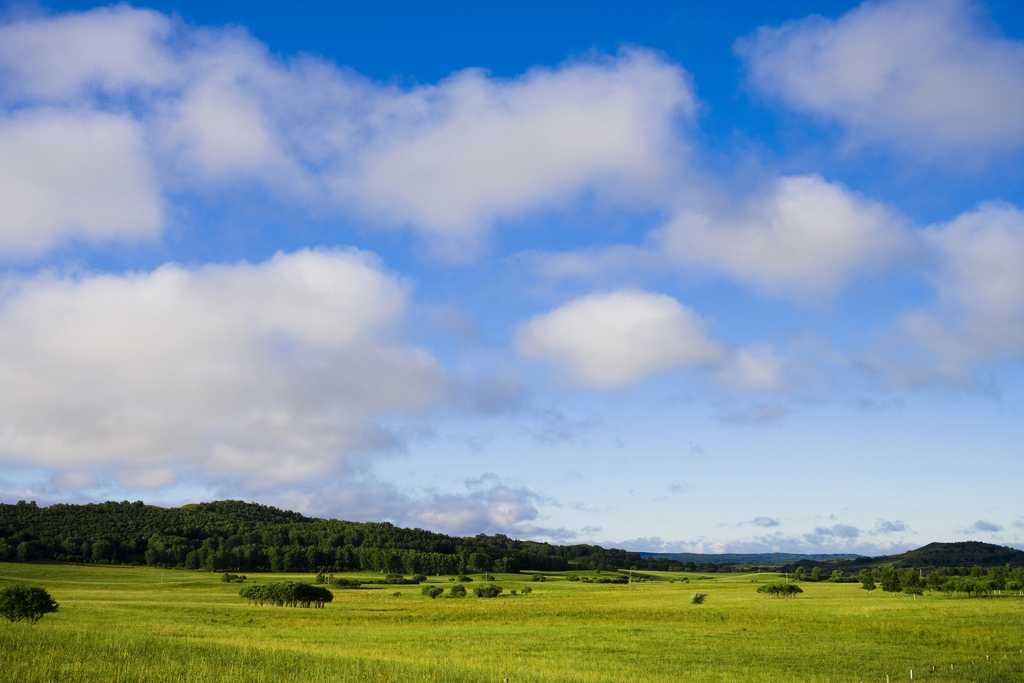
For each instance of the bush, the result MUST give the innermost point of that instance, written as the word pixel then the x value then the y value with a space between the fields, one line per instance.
pixel 463 577
pixel 527 590
pixel 419 578
pixel 698 598
pixel 572 577
pixel 233 578
pixel 346 583
pixel 457 591
pixel 19 602
pixel 539 577
pixel 488 591
pixel 431 591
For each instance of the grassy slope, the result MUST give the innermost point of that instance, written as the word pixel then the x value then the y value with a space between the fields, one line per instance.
pixel 122 624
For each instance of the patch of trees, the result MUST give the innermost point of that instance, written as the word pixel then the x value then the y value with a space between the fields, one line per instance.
pixel 780 589
pixel 973 582
pixel 287 594
pixel 30 603
pixel 233 536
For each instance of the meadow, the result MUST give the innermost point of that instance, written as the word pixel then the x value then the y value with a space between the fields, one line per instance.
pixel 142 624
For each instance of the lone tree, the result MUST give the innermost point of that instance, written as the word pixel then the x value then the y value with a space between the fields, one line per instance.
pixel 19 602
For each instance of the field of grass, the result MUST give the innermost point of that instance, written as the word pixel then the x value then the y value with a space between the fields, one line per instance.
pixel 139 624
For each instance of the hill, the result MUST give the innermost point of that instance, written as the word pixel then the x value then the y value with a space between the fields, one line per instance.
pixel 931 556
pixel 238 536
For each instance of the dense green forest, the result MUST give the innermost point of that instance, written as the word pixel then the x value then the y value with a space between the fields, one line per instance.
pixel 233 535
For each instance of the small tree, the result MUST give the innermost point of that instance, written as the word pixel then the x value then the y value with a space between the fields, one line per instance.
pixel 867 579
pixel 891 579
pixel 19 602
pixel 816 574
pixel 837 575
pixel 698 598
pixel 800 574
pixel 457 591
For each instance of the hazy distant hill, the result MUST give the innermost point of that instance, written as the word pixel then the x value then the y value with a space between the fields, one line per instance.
pixel 932 556
pixel 749 558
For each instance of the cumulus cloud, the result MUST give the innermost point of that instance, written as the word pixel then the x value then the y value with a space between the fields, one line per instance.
pixel 84 175
pixel 446 159
pixel 978 272
pixel 923 74
pixel 248 372
pixel 801 236
pixel 764 521
pixel 614 339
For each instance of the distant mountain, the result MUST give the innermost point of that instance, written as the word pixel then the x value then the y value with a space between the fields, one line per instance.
pixel 933 556
pixel 750 558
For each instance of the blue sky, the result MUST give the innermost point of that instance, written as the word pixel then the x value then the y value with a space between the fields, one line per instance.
pixel 712 277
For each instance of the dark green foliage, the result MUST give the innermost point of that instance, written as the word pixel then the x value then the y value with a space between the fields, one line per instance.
pixel 463 578
pixel 488 591
pixel 816 574
pixel 867 579
pixel 340 582
pixel 431 591
pixel 419 578
pixel 19 602
pixel 541 577
pixel 234 578
pixel 890 579
pixel 233 536
pixel 457 591
pixel 287 594
pixel 780 589
pixel 698 598
pixel 527 590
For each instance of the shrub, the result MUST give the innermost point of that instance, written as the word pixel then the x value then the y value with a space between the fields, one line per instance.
pixel 419 578
pixel 488 591
pixel 572 577
pixel 457 591
pixel 527 590
pixel 232 578
pixel 19 602
pixel 698 598
pixel 539 577
pixel 512 592
pixel 463 577
pixel 431 591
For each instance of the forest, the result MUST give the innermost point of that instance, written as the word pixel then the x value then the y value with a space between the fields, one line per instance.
pixel 238 536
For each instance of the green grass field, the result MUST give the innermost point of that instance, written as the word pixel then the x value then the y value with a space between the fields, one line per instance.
pixel 139 624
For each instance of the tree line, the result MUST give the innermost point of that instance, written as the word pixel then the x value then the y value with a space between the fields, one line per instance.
pixel 973 582
pixel 237 536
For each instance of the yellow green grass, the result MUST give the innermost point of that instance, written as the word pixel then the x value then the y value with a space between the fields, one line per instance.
pixel 142 624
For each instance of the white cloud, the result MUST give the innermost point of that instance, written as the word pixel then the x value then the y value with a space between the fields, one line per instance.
pixel 448 159
pixel 473 149
pixel 801 236
pixel 80 174
pixel 979 317
pixel 617 338
pixel 267 372
pixel 67 56
pixel 923 74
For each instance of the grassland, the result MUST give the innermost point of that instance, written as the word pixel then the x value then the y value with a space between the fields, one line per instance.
pixel 141 624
